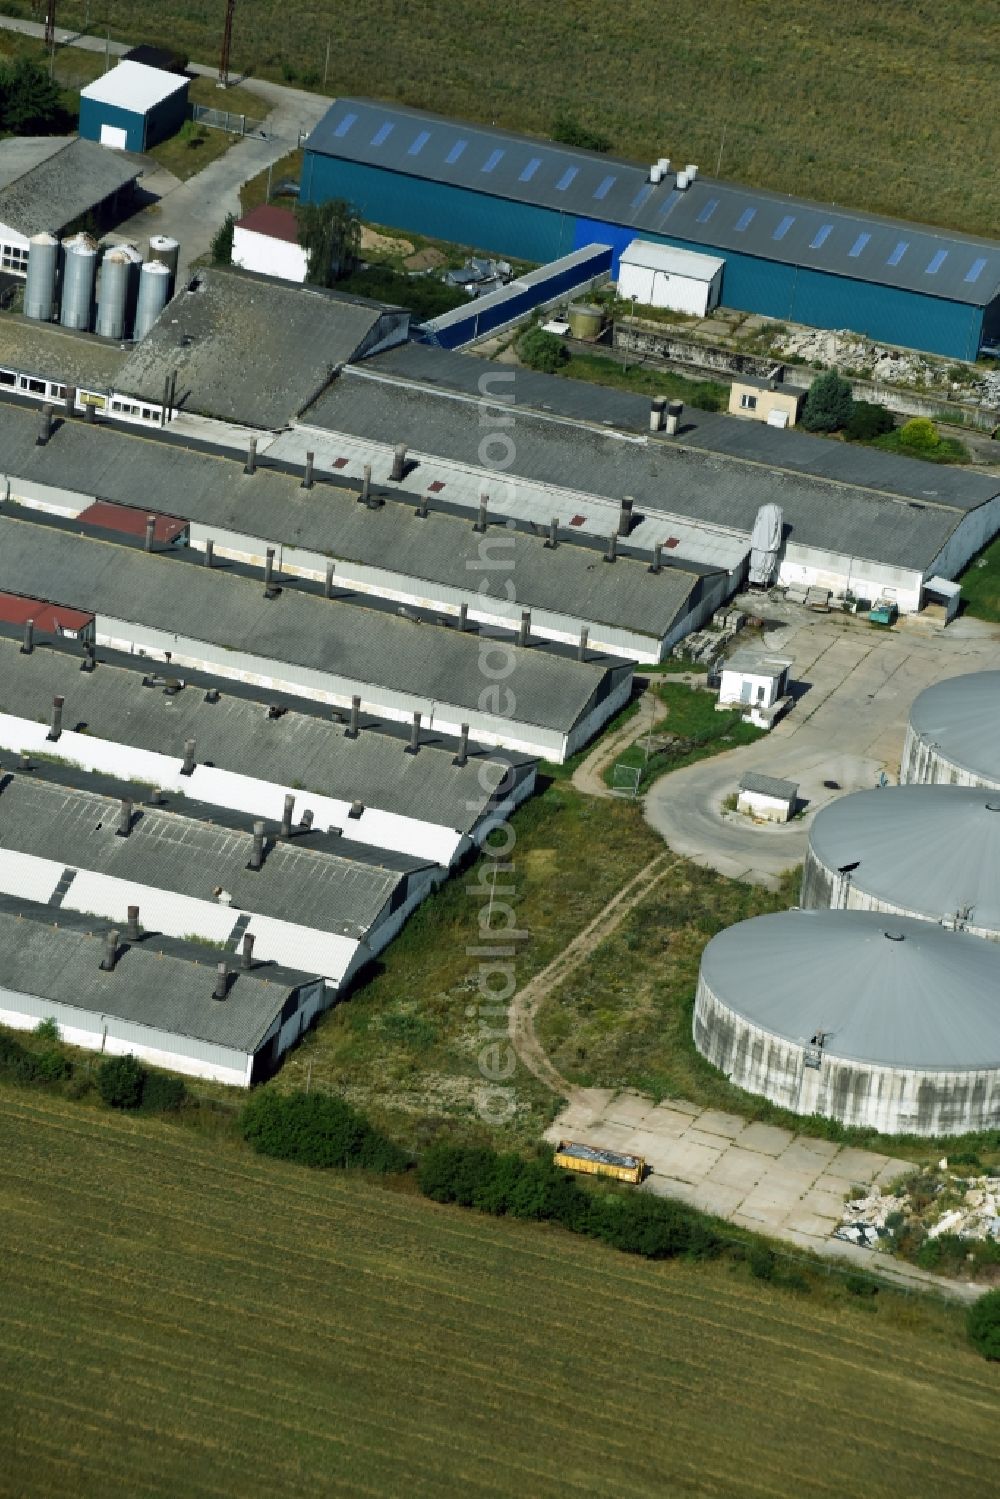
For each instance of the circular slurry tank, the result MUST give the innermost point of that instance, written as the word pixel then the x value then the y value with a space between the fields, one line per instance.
pixel 881 1022
pixel 953 736
pixel 932 852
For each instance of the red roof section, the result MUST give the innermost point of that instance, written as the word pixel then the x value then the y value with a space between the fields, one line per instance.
pixel 50 619
pixel 276 223
pixel 130 521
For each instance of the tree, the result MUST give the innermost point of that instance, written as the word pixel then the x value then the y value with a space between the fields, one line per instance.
pixel 868 420
pixel 29 100
pixel 120 1081
pixel 828 405
pixel 330 234
pixel 983 1325
pixel 222 241
pixel 542 351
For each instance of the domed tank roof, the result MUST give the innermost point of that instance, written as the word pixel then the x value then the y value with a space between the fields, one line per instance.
pixel 962 717
pixel 932 850
pixel 889 991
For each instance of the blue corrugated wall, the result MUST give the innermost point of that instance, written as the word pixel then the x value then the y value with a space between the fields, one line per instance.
pixel 749 283
pixel 449 332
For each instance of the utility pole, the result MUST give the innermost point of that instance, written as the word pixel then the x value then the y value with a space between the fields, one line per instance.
pixel 50 24
pixel 227 42
pixel 326 65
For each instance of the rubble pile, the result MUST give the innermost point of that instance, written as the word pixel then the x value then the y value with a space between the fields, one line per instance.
pixel 853 354
pixel 967 1207
pixel 704 646
pixel 864 1218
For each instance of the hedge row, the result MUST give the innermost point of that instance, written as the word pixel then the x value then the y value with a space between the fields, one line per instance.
pixel 507 1185
pixel 316 1129
pixel 48 1066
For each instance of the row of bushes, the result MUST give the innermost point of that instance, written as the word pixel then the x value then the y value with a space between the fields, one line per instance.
pixel 24 1066
pixel 317 1129
pixel 122 1082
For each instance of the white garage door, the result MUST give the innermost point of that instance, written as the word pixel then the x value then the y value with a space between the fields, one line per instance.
pixel 114 135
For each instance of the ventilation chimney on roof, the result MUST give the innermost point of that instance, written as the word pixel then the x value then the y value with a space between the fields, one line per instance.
pixel 150 531
pixel 257 851
pixel 209 552
pixel 681 182
pixel 675 410
pixel 366 483
pixel 463 617
pixel 89 657
pixel 221 982
pixel 352 732
pixel 271 591
pixel 328 584
pixel 70 400
pixel 44 426
pixel 246 957
pixel 110 951
pixel 424 506
pixel 29 637
pixel 656 407
pixel 414 744
pixel 553 540
pixel 525 630
pixel 581 650
pixel 357 808
pixel 611 555
pixel 250 467
pixel 286 816
pixel 398 469
pixel 657 555
pixel 463 745
pixel 56 729
pixel 187 767
pixel 654 172
pixel 133 930
pixel 307 477
pixel 124 818
pixel 625 516
pixel 306 821
pixel 664 165
pixel 481 523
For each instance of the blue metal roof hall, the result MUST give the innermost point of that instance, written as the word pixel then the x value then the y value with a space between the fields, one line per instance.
pixel 904 283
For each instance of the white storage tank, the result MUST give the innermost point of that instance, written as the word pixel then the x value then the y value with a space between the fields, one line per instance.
pixel 40 299
pixel 878 1022
pixel 932 852
pixel 953 735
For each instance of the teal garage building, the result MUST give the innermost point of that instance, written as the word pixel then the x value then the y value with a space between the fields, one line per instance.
pixel 786 258
pixel 133 107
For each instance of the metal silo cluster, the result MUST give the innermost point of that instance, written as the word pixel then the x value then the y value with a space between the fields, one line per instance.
pixel 119 297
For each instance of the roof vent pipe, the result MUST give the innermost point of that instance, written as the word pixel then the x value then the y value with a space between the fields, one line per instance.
pixel 44 426
pixel 270 591
pixel 209 552
pixel 70 400
pixel 56 729
pixel 553 540
pixel 221 982
pixel 357 809
pixel 306 821
pixel 480 525
pixel 681 181
pixel 463 617
pixel 366 483
pixel 654 172
pixel 657 556
pixel 424 506
pixel 675 410
pixel 89 657
pixel 110 951
pixel 29 637
pixel 625 516
pixel 124 818
pixel 352 732
pixel 656 408
pixel 246 957
pixel 692 171
pixel 398 462
pixel 133 931
pixel 414 744
pixel 328 583
pixel 525 630
pixel 150 531
pixel 257 852
pixel 611 555
pixel 581 650
pixel 286 816
pixel 89 413
pixel 463 746
pixel 664 165
pixel 307 477
pixel 250 467
pixel 187 768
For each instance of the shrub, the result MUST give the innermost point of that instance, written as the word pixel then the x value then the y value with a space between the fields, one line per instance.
pixel 868 420
pixel 162 1094
pixel 982 1324
pixel 542 351
pixel 920 435
pixel 120 1081
pixel 47 1030
pixel 316 1129
pixel 762 1261
pixel 828 405
pixel 222 241
pixel 51 1066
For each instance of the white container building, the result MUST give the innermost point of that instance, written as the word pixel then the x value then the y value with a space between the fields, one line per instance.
pixel 661 276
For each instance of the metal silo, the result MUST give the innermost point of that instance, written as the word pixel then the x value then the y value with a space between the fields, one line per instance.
pixel 79 273
pixel 112 296
pixel 40 287
pixel 167 251
pixel 154 284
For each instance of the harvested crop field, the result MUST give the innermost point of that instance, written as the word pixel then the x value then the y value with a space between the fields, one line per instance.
pixel 180 1317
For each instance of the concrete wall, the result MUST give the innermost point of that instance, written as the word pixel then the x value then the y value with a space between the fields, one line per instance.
pixel 891 1100
pixel 811 567
pixel 923 764
pixel 826 889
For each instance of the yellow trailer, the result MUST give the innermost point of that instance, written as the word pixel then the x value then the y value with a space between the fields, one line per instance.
pixel 574 1156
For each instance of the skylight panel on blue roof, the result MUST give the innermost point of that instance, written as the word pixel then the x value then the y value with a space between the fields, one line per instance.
pixel 821 236
pixel 530 169
pixel 784 226
pixel 455 152
pixel 345 126
pixel 858 245
pixel 491 161
pixel 938 260
pixel 898 252
pixel 566 179
pixel 745 218
pixel 382 133
pixel 642 195
pixel 708 210
pixel 975 271
pixel 418 145
pixel 606 186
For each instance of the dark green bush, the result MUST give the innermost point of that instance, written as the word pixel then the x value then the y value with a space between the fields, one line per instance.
pixel 51 1066
pixel 120 1081
pixel 316 1129
pixel 828 404
pixel 762 1261
pixel 983 1325
pixel 162 1094
pixel 868 420
pixel 542 351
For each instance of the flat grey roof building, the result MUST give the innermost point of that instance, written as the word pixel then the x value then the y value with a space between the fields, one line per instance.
pixel 248 348
pixel 51 189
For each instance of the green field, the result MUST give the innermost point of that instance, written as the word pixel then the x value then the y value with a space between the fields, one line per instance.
pixel 883 104
pixel 183 1318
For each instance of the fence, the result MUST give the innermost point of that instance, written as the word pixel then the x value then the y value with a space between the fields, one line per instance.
pixel 224 119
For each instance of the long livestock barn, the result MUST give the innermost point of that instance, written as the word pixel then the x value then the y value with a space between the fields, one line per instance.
pixel 206 738
pixel 905 283
pixel 533 700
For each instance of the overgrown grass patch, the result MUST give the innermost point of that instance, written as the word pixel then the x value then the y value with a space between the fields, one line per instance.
pixel 696 730
pixel 981 584
pixel 597 369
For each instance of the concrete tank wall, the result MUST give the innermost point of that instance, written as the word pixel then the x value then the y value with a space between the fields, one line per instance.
pixel 923 764
pixel 891 1100
pixel 825 889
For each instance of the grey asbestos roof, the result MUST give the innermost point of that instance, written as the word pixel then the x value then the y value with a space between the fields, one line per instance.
pixel 248 348
pixel 307 886
pixel 326 636
pixel 700 485
pixel 55 191
pixel 961 717
pixel 57 353
pixel 928 850
pixel 930 1001
pixel 710 215
pixel 752 780
pixel 237 734
pixel 22 153
pixel 443 549
pixel 164 985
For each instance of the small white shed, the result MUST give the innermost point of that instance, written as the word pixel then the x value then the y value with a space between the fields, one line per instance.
pixel 660 276
pixel 766 798
pixel 758 684
pixel 267 240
